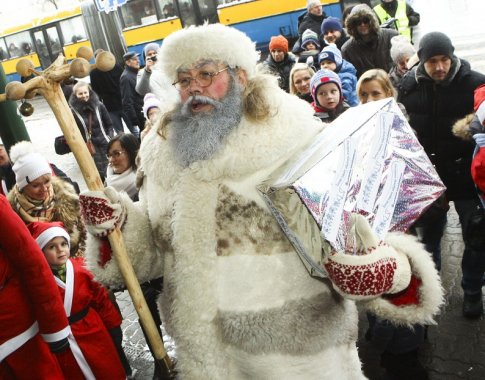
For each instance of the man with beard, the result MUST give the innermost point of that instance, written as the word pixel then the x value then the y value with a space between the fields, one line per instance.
pixel 437 93
pixel 237 300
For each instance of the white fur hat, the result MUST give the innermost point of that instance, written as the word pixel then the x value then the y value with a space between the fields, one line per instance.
pixel 28 165
pixel 209 41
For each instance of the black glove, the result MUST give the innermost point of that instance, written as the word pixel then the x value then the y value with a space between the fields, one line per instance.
pixel 59 346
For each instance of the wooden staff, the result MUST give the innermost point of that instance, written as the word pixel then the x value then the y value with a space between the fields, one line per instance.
pixel 47 83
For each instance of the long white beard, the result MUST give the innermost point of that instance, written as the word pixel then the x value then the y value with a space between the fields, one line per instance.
pixel 198 136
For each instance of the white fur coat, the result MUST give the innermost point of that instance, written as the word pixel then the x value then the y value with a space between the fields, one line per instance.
pixel 237 300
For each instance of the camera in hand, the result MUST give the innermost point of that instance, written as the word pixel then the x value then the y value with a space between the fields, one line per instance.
pixel 153 58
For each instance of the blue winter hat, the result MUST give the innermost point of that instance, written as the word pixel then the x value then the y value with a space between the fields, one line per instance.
pixel 331 53
pixel 151 46
pixel 331 23
pixel 321 77
pixel 309 36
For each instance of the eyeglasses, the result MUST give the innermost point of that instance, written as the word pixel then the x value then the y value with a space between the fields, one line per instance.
pixel 360 21
pixel 203 79
pixel 116 154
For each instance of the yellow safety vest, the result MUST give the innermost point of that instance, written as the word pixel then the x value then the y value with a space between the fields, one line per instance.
pixel 401 18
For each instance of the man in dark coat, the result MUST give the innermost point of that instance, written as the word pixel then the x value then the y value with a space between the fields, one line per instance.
pixel 437 93
pixel 107 85
pixel 312 20
pixel 369 46
pixel 131 100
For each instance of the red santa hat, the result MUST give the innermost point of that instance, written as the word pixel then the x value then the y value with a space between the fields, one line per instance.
pixel 44 232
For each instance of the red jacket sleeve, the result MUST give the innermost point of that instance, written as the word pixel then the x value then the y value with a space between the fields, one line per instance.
pixel 29 264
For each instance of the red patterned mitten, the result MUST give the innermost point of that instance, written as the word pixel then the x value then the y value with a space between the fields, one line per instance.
pixel 102 211
pixel 375 270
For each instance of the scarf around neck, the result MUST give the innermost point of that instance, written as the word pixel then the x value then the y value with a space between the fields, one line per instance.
pixel 125 181
pixel 33 210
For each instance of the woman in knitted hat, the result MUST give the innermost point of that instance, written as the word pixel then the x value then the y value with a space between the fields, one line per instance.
pixel 40 196
pixel 328 100
pixel 279 62
pixel 401 51
pixel 300 77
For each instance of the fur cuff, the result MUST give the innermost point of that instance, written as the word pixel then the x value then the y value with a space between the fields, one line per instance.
pixel 426 280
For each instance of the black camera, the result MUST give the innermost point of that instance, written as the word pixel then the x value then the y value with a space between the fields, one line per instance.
pixel 153 58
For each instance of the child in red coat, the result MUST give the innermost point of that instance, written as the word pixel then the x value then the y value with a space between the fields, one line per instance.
pixel 91 314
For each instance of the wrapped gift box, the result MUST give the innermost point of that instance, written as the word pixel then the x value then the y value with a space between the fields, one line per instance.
pixel 367 161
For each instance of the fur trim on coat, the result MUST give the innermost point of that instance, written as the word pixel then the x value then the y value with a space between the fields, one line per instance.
pixel 431 294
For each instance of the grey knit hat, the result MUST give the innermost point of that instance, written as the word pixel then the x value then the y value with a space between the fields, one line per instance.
pixel 435 43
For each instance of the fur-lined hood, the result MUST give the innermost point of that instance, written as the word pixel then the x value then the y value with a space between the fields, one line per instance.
pixel 359 11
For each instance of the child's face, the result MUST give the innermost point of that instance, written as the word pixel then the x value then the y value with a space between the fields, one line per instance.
pixel 56 251
pixel 328 96
pixel 371 91
pixel 152 113
pixel 310 46
pixel 329 65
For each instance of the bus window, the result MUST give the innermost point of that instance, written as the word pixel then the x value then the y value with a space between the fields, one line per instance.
pixel 41 49
pixel 19 44
pixel 73 30
pixel 3 50
pixel 55 44
pixel 138 12
pixel 187 13
pixel 208 10
pixel 168 8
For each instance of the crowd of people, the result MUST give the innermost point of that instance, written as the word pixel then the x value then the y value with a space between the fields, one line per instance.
pixel 213 124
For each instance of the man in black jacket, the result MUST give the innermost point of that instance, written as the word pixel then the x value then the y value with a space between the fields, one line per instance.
pixel 131 100
pixel 107 85
pixel 436 93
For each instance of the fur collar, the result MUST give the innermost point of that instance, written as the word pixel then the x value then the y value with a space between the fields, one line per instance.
pixel 79 105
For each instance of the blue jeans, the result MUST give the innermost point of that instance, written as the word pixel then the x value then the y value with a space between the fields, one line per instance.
pixel 473 261
pixel 116 119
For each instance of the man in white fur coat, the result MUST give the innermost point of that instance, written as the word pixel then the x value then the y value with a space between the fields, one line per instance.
pixel 237 300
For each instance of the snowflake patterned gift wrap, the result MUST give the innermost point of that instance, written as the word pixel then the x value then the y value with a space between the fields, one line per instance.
pixel 368 161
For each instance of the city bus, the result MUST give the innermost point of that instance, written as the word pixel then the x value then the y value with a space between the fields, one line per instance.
pixel 144 21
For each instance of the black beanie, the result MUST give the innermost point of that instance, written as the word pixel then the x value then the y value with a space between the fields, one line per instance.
pixel 435 43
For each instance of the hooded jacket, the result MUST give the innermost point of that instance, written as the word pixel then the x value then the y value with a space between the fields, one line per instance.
pixel 372 52
pixel 433 108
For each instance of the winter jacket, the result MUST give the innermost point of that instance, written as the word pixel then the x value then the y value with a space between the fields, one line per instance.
pixel 232 281
pixel 107 85
pixel 102 127
pixel 370 53
pixel 132 101
pixel 307 21
pixel 433 108
pixel 348 76
pixel 327 116
pixel 281 70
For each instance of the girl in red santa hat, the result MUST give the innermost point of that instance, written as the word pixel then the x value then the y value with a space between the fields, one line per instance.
pixel 95 323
